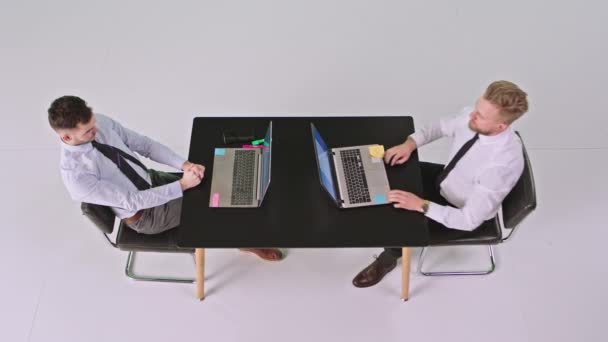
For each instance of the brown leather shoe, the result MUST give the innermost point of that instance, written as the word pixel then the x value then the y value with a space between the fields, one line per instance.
pixel 372 274
pixel 270 254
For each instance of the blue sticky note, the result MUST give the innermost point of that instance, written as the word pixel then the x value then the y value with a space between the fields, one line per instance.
pixel 380 199
pixel 220 151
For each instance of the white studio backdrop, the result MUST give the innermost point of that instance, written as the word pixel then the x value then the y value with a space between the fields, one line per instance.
pixel 155 65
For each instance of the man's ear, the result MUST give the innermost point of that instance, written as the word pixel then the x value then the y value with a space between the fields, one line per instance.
pixel 502 127
pixel 65 137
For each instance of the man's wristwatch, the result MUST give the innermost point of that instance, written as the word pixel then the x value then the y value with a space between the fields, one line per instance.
pixel 425 206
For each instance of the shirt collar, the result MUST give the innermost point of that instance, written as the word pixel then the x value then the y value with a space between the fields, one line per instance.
pixel 491 139
pixel 83 148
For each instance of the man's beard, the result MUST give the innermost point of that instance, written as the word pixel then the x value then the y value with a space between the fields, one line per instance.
pixel 477 130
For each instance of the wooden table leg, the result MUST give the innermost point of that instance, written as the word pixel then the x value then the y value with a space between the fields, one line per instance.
pixel 405 273
pixel 199 254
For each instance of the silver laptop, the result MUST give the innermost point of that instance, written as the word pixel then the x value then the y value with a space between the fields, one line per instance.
pixel 241 176
pixel 350 175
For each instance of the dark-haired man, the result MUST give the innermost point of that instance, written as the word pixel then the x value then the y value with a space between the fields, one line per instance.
pixel 99 165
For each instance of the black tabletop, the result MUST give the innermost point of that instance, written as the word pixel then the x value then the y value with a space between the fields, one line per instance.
pixel 296 212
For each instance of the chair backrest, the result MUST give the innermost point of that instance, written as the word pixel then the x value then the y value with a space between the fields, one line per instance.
pixel 102 216
pixel 521 201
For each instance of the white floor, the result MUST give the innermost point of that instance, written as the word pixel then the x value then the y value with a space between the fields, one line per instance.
pixel 63 282
pixel 155 65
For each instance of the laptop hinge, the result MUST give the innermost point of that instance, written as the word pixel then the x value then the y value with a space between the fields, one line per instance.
pixel 336 179
pixel 258 176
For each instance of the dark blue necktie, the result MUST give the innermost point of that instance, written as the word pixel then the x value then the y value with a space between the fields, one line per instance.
pixel 444 174
pixel 119 157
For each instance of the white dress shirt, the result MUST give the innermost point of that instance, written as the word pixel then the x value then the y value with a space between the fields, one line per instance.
pixel 481 179
pixel 91 177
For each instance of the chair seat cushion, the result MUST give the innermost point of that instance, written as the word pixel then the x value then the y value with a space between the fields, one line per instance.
pixel 489 233
pixel 130 240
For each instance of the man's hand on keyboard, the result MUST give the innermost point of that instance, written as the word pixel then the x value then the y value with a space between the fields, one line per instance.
pixel 401 153
pixel 405 200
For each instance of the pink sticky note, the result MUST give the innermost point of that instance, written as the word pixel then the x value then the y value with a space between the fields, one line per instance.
pixel 215 200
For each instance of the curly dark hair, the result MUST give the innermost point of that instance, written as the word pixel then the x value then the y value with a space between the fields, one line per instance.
pixel 68 111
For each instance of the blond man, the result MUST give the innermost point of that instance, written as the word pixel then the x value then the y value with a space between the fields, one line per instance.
pixel 486 160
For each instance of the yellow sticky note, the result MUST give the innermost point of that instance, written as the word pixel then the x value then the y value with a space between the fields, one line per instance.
pixel 376 151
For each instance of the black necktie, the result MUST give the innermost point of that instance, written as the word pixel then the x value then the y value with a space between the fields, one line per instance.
pixel 119 157
pixel 443 175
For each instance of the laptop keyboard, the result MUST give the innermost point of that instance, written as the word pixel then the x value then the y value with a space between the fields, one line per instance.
pixel 242 177
pixel 356 183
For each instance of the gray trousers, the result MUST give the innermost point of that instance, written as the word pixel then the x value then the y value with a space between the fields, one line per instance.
pixel 164 217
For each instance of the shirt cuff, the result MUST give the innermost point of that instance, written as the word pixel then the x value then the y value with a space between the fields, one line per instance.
pixel 177 162
pixel 175 189
pixel 418 138
pixel 435 212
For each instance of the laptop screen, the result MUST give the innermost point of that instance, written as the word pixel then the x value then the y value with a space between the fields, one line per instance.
pixel 323 162
pixel 266 159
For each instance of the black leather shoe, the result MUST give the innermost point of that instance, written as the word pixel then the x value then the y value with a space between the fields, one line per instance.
pixel 372 274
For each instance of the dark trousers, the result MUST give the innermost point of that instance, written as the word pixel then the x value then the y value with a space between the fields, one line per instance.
pixel 161 178
pixel 437 231
pixel 163 217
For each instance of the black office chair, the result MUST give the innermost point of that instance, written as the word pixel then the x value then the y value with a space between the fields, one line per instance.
pixel 518 204
pixel 128 240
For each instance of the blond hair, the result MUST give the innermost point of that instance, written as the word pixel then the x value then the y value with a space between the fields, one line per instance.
pixel 509 98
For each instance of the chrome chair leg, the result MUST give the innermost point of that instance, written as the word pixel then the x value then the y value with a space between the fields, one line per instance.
pixel 131 274
pixel 450 273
